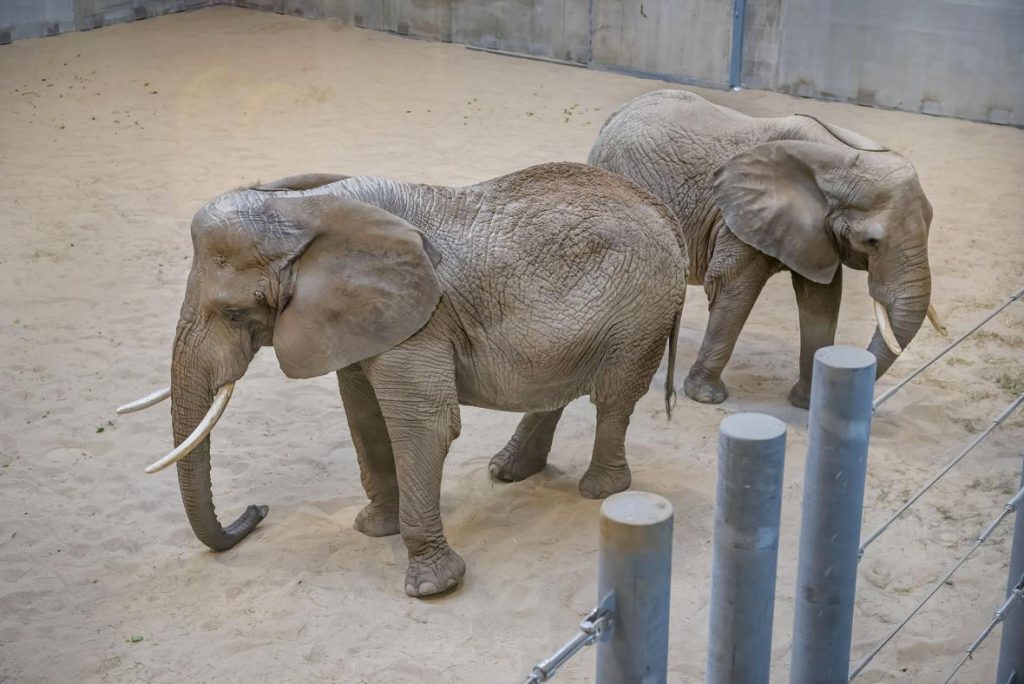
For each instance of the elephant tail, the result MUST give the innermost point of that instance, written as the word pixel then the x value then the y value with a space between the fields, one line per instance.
pixel 670 377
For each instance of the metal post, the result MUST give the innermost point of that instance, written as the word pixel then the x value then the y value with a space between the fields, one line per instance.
pixel 748 503
pixel 635 562
pixel 1011 647
pixel 739 15
pixel 837 450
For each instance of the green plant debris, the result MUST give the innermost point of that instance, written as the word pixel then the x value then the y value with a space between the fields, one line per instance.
pixel 1012 382
pixel 135 638
pixel 988 336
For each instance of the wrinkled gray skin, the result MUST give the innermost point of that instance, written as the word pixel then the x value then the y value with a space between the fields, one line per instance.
pixel 758 195
pixel 519 294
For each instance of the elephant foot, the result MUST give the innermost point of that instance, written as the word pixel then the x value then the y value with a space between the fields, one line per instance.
pixel 600 482
pixel 704 390
pixel 434 573
pixel 512 464
pixel 378 520
pixel 800 395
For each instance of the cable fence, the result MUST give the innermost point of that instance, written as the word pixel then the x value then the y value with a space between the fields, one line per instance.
pixel 1010 507
pixel 996 422
pixel 629 626
pixel 1015 599
pixel 889 393
pixel 1014 504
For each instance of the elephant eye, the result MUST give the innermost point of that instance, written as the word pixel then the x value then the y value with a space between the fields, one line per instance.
pixel 234 315
pixel 872 242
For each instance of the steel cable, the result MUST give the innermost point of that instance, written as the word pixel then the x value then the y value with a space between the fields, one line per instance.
pixel 898 386
pixel 1009 508
pixel 1016 596
pixel 1014 405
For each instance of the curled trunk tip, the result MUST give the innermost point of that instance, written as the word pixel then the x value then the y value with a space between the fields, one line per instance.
pixel 192 424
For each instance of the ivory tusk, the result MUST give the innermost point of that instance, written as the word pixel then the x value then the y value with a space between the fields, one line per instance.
pixel 151 399
pixel 220 402
pixel 933 317
pixel 885 327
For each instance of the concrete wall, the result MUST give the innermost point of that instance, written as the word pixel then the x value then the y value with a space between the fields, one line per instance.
pixel 762 31
pixel 557 29
pixel 961 58
pixel 34 18
pixel 682 39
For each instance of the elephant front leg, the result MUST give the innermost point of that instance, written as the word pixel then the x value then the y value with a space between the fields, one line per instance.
pixel 731 303
pixel 379 518
pixel 608 472
pixel 527 451
pixel 416 391
pixel 819 312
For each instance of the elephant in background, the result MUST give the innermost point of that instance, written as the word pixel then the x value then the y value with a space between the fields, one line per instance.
pixel 520 294
pixel 755 196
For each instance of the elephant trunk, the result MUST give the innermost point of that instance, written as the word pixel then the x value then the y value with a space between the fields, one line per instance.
pixel 191 399
pixel 905 312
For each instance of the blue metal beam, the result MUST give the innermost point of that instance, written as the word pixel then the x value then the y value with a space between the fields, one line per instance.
pixel 739 14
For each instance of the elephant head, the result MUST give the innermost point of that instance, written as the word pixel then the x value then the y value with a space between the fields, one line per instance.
pixel 813 206
pixel 327 280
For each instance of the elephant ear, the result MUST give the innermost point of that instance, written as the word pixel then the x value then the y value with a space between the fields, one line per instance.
pixel 771 198
pixel 363 283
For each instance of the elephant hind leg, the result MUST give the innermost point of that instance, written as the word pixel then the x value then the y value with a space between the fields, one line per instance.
pixel 608 472
pixel 526 453
pixel 626 377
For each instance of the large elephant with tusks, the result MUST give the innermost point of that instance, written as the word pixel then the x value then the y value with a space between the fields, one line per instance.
pixel 521 293
pixel 756 196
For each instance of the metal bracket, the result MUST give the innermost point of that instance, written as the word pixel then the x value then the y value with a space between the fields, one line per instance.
pixel 596 626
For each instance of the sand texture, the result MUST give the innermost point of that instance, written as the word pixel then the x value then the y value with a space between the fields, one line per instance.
pixel 109 142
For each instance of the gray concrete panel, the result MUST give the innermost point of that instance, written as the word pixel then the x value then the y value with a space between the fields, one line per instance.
pixel 684 39
pixel 947 57
pixel 762 32
pixel 33 18
pixel 557 29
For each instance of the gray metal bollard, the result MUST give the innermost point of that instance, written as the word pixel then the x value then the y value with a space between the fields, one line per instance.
pixel 748 504
pixel 635 561
pixel 837 449
pixel 1011 646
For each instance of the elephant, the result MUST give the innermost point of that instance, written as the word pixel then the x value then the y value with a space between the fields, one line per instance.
pixel 755 196
pixel 520 293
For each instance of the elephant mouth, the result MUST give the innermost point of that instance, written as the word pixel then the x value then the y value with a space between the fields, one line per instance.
pixel 202 430
pixel 889 335
pixel 885 328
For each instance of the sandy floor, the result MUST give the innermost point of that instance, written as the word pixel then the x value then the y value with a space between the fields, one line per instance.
pixel 110 140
